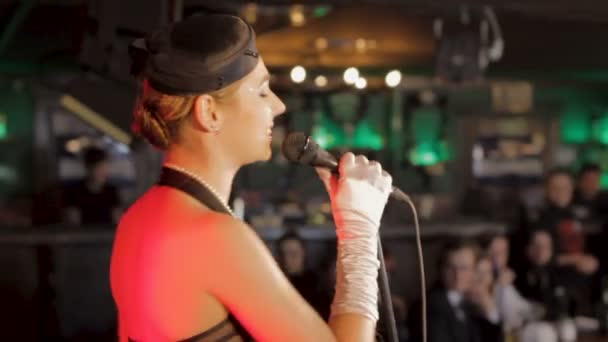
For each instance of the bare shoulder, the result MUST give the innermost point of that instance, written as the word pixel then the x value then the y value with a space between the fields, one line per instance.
pixel 222 241
pixel 223 230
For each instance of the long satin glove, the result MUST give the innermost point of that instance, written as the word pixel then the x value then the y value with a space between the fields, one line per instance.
pixel 358 198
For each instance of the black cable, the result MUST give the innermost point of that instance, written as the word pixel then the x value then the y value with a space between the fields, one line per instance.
pixel 385 292
pixel 385 295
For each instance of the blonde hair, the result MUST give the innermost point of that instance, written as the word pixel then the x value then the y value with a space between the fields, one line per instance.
pixel 158 117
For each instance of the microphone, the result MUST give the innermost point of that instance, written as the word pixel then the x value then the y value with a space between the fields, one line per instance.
pixel 302 149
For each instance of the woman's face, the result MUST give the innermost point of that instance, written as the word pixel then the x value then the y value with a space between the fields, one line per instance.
pixel 540 249
pixel 499 252
pixel 559 190
pixel 249 117
pixel 293 256
pixel 484 276
pixel 459 270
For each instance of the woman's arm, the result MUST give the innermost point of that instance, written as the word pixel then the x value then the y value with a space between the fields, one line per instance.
pixel 243 275
pixel 249 282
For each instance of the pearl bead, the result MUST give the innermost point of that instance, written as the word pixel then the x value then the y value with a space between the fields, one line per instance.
pixel 203 183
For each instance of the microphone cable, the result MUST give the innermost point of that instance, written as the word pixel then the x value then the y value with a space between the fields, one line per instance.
pixel 385 288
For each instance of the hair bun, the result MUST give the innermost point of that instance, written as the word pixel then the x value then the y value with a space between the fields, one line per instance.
pixel 148 124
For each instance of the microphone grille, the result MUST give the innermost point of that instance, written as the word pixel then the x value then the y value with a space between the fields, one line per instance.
pixel 300 148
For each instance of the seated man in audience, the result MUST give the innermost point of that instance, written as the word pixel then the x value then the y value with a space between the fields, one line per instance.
pixel 591 204
pixel 589 201
pixel 577 266
pixel 455 312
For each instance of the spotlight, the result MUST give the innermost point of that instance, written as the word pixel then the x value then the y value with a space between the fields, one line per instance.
pixel 298 74
pixel 321 43
pixel 361 83
pixel 321 81
pixel 360 45
pixel 351 75
pixel 296 15
pixel 393 78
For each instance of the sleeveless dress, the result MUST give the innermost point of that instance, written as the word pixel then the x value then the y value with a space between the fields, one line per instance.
pixel 228 330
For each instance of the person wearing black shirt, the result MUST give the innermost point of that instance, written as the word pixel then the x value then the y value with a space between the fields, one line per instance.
pixel 589 200
pixel 590 203
pixel 540 277
pixel 452 314
pixel 576 265
pixel 292 259
pixel 93 200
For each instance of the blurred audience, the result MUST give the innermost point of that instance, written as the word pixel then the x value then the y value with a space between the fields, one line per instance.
pixel 589 201
pixel 591 205
pixel 514 310
pixel 540 277
pixel 292 260
pixel 458 309
pixel 541 282
pixel 577 266
pixel 397 298
pixel 93 200
pixel 481 291
pixel 565 227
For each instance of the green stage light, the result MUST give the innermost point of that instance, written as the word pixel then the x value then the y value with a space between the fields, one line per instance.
pixel 600 129
pixel 328 134
pixel 366 136
pixel 575 125
pixel 604 181
pixel 3 128
pixel 424 154
pixel 425 124
pixel 321 11
pixel 444 151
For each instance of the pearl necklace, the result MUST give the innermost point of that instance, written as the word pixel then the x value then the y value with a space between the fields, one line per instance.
pixel 203 183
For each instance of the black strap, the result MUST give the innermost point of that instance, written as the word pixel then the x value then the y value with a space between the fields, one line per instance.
pixel 184 182
pixel 209 332
pixel 179 180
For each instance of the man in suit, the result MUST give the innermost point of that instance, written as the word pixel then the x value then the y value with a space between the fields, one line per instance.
pixel 451 314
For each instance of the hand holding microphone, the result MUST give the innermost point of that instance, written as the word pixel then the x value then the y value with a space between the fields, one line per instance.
pixel 359 190
pixel 358 196
pixel 299 148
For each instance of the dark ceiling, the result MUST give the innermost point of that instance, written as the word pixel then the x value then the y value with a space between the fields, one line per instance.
pixel 560 40
pixel 538 33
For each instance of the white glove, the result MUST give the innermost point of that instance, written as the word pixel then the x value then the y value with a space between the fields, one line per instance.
pixel 358 198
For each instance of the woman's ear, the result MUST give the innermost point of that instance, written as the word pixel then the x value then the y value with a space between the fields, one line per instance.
pixel 206 115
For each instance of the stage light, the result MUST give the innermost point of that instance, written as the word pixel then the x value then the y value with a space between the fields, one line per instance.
pixel 361 83
pixel 321 43
pixel 296 15
pixel 321 81
pixel 351 75
pixel 393 78
pixel 298 74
